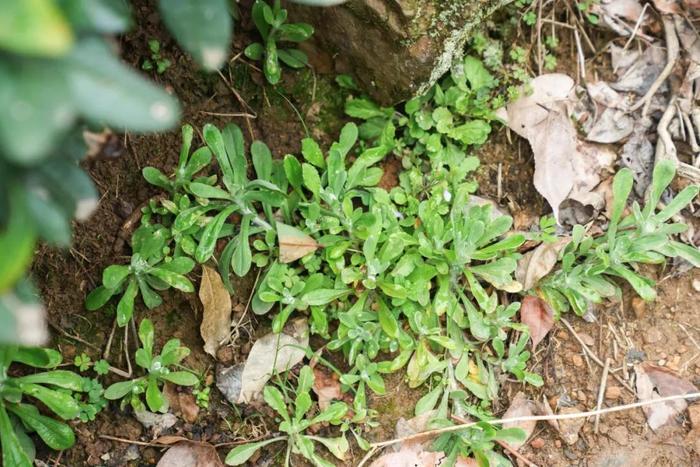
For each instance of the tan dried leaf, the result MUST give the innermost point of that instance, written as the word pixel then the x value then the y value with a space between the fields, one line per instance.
pixel 326 387
pixel 537 263
pixel 190 454
pixel 216 320
pixel 538 316
pixel 520 406
pixel 293 243
pixel 654 382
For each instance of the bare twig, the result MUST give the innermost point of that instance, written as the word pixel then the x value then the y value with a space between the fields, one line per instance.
pixel 672 52
pixel 593 356
pixel 601 393
pixel 514 452
pixel 536 418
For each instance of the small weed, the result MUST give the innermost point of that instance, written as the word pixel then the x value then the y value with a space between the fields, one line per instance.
pixel 156 61
pixel 272 26
pixel 158 371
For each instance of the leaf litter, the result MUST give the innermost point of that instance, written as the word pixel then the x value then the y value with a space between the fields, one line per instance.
pixel 565 167
pixel 538 316
pixel 271 354
pixel 216 319
pixel 654 382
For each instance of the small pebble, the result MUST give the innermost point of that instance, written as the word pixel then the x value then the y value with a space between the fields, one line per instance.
pixel 537 443
pixel 652 336
pixel 639 306
pixel 613 392
pixel 620 435
pixel 696 285
pixel 588 340
pixel 577 360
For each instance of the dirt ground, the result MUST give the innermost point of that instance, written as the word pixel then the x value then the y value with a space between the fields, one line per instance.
pixel 666 332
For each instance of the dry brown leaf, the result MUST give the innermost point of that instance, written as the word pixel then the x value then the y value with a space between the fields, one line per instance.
pixel 654 382
pixel 537 263
pixel 216 319
pixel 190 454
pixel 169 439
pixel 293 243
pixel 181 403
pixel 520 406
pixel 409 458
pixel 326 387
pixel 538 316
pixel 668 6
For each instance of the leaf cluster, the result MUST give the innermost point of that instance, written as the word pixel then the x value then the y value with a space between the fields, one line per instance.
pixel 158 371
pixel 273 28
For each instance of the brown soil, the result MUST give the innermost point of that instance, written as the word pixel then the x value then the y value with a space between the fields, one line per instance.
pixel 65 277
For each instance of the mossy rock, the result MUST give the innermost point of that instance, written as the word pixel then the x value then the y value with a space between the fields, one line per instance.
pixel 395 48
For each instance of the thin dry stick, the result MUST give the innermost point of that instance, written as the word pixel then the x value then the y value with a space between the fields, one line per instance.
pixel 672 51
pixel 601 393
pixel 515 453
pixel 537 418
pixel 593 356
pixel 636 28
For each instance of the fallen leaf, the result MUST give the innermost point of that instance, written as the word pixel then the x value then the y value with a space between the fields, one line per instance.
pixel 190 454
pixel 412 426
pixel 623 58
pixel 619 15
pixel 601 93
pixel 654 382
pixel 326 387
pixel 537 263
pixel 169 439
pixel 638 155
pixel 668 6
pixel 538 316
pixel 520 406
pixel 271 354
pixel 543 408
pixel 182 403
pixel 157 422
pixel 612 125
pixel 643 71
pixel 216 319
pixel 409 458
pixel 564 167
pixel 293 243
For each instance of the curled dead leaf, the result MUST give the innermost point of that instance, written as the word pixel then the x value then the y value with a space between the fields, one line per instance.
pixel 537 263
pixel 271 354
pixel 216 319
pixel 538 316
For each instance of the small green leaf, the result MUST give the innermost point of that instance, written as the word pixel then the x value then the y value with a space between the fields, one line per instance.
pixel 311 178
pixel 312 152
pixel 324 296
pixel 240 454
pixel 181 378
pixel 114 275
pixel 119 390
pixel 98 298
pixel 125 307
